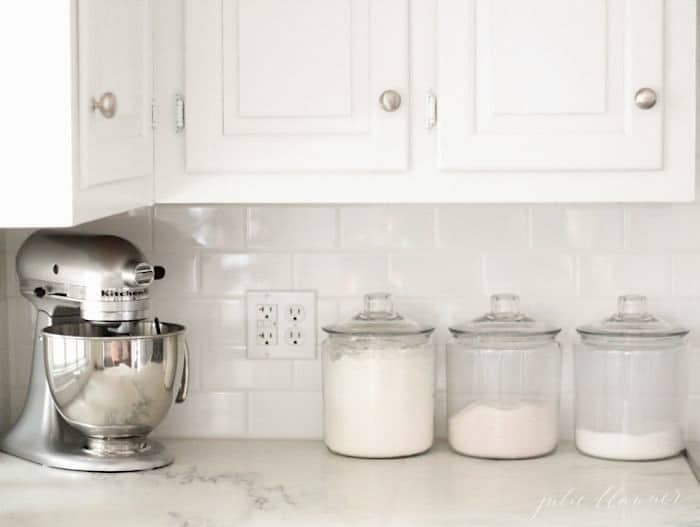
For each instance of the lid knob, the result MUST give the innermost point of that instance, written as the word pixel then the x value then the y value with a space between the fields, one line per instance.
pixel 632 306
pixel 505 304
pixel 378 304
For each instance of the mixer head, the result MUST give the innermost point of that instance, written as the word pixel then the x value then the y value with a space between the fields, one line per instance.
pixel 107 277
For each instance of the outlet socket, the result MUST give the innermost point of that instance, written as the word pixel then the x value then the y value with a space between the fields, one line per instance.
pixel 295 337
pixel 266 312
pixel 266 335
pixel 296 313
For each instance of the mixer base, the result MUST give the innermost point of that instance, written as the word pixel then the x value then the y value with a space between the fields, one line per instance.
pixel 76 457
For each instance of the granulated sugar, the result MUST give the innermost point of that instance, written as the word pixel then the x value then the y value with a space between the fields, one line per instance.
pixel 625 446
pixel 379 403
pixel 505 431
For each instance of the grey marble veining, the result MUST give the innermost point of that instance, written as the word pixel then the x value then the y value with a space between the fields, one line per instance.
pixel 296 483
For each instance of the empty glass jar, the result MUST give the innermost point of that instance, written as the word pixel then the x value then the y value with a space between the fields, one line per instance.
pixel 503 383
pixel 378 383
pixel 630 387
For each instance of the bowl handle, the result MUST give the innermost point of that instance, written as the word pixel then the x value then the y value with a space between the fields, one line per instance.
pixel 181 396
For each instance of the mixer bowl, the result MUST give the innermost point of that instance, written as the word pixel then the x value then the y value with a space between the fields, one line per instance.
pixel 113 386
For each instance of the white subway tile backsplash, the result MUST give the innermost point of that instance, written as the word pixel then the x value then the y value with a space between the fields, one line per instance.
pixel 209 227
pixel 395 227
pixel 577 227
pixel 663 227
pixel 686 274
pixel 568 263
pixel 441 414
pixel 611 275
pixel 227 325
pixel 435 273
pixel 234 274
pixel 181 273
pixel 287 415
pixel 230 371
pixel 298 228
pixel 483 226
pixel 567 366
pixel 566 416
pixel 210 415
pixel 341 273
pixel 537 275
pixel 308 375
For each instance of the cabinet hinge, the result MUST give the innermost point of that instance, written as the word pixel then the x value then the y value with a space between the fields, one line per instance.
pixel 430 110
pixel 154 115
pixel 179 113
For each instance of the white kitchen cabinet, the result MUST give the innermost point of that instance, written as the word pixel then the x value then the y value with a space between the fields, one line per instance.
pixel 550 85
pixel 66 161
pixel 532 101
pixel 280 86
pixel 345 101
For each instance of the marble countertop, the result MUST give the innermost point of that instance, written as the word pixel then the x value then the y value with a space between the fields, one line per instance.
pixel 299 483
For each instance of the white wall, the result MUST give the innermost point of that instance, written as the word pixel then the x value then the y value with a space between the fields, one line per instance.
pixel 567 262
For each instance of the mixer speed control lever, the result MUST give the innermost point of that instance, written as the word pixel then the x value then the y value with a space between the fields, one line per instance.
pixel 158 272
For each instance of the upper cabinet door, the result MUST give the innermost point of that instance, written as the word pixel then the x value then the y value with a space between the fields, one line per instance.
pixel 550 85
pixel 280 86
pixel 116 74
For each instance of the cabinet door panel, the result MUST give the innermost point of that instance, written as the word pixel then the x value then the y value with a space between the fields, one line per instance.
pixel 115 42
pixel 273 85
pixel 550 85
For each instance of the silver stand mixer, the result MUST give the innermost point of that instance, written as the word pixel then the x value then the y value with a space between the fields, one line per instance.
pixel 102 376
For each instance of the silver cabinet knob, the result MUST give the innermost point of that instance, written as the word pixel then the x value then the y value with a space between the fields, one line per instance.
pixel 390 100
pixel 106 104
pixel 645 98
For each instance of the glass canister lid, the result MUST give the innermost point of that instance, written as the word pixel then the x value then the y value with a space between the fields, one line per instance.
pixel 378 319
pixel 504 320
pixel 633 320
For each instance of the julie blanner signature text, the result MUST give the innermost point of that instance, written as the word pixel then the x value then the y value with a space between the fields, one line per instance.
pixel 611 498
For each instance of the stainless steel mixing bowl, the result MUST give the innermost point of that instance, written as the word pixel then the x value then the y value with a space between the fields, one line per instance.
pixel 115 383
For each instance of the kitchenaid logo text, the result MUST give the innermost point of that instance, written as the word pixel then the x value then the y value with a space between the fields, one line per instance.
pixel 611 498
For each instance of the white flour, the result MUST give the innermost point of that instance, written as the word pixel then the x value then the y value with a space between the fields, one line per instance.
pixel 505 432
pixel 626 446
pixel 379 403
pixel 112 397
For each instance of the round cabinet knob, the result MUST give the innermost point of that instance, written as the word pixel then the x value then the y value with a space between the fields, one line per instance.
pixel 106 104
pixel 645 98
pixel 390 100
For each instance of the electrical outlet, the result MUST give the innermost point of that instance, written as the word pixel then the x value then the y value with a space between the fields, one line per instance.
pixel 267 312
pixel 295 337
pixel 296 313
pixel 266 335
pixel 281 324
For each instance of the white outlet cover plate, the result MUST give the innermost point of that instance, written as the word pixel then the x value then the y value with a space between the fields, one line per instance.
pixel 278 311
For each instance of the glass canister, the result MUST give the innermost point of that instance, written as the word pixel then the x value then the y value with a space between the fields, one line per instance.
pixel 630 386
pixel 503 384
pixel 378 383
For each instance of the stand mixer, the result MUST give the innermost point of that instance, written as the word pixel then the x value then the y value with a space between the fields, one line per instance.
pixel 103 376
